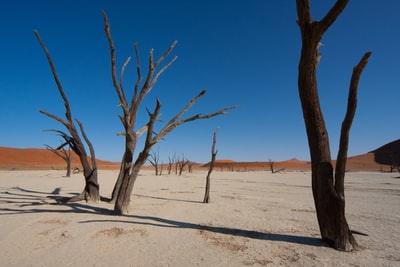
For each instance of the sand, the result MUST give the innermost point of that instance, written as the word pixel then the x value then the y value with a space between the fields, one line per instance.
pixel 254 219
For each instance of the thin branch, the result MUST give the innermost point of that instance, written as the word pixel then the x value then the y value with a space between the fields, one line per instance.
pixel 139 75
pixel 55 76
pixel 175 122
pixel 67 124
pixel 121 78
pixel 169 50
pixel 346 124
pixel 141 131
pixel 163 69
pixel 188 106
pixel 64 156
pixel 118 89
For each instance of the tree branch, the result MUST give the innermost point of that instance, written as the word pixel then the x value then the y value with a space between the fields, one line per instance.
pixel 67 124
pixel 121 78
pixel 91 149
pixel 346 124
pixel 118 89
pixel 139 76
pixel 332 15
pixel 55 76
pixel 175 122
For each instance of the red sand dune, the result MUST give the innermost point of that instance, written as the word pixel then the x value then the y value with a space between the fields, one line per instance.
pixel 38 158
pixel 380 159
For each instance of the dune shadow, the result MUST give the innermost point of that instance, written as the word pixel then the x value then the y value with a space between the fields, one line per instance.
pixel 161 222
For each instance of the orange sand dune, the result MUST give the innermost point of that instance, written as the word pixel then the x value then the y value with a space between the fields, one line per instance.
pixel 36 158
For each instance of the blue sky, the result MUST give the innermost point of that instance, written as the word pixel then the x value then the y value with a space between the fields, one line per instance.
pixel 244 52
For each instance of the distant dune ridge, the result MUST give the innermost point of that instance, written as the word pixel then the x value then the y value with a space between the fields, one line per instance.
pixel 380 159
pixel 40 159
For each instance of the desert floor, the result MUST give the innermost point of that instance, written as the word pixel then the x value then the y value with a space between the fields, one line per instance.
pixel 253 219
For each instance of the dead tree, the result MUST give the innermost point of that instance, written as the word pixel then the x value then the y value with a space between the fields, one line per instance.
pixel 271 166
pixel 154 161
pixel 190 166
pixel 91 190
pixel 63 153
pixel 181 164
pixel 171 162
pixel 130 169
pixel 327 186
pixel 212 163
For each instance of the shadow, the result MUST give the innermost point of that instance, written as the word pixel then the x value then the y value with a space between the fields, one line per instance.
pixel 161 222
pixel 171 199
pixel 22 198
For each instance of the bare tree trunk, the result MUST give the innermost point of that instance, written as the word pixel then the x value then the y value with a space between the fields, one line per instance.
pixel 212 163
pixel 126 165
pixel 68 168
pixel 328 191
pixel 171 162
pixel 271 166
pixel 181 164
pixel 91 191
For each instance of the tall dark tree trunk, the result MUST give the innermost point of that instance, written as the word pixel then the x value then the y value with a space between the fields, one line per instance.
pixel 328 190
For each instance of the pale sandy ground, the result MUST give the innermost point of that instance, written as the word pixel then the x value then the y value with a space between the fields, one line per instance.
pixel 254 219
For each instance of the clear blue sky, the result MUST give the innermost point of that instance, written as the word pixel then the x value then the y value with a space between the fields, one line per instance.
pixel 244 52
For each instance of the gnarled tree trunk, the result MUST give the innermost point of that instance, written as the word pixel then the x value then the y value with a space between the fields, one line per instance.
pixel 328 189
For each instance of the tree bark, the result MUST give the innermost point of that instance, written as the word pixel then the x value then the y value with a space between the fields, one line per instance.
pixel 212 163
pixel 328 191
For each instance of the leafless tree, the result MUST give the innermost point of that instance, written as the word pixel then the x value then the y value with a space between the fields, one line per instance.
pixel 63 153
pixel 91 190
pixel 154 161
pixel 129 170
pixel 212 163
pixel 271 166
pixel 171 162
pixel 181 164
pixel 327 186
pixel 190 166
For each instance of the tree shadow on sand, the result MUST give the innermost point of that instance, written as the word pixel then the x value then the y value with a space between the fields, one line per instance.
pixel 21 199
pixel 25 201
pixel 161 222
